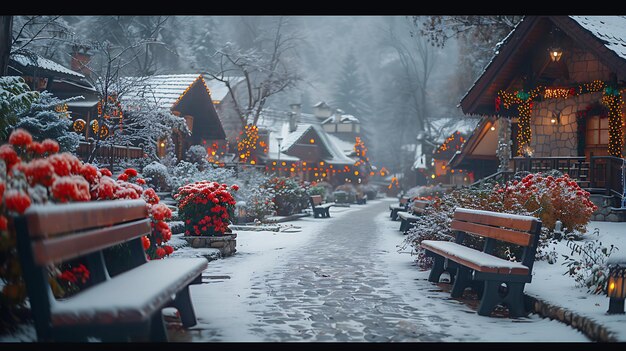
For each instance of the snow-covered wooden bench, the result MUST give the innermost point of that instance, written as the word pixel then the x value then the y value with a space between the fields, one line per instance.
pixel 416 209
pixel 497 281
pixel 125 307
pixel 319 209
pixel 401 206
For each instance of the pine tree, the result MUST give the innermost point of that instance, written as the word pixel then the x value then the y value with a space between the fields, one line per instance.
pixel 42 121
pixel 352 94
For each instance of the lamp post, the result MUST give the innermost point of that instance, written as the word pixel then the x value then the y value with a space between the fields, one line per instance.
pixel 616 289
pixel 279 139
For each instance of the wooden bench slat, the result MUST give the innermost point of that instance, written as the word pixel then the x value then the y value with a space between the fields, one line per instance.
pixel 67 247
pixel 152 283
pixel 474 259
pixel 51 220
pixel 511 236
pixel 522 223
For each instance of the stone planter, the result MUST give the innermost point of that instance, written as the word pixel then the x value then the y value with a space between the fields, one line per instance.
pixel 225 243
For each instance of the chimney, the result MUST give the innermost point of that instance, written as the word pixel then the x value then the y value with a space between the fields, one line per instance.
pixel 294 116
pixel 80 59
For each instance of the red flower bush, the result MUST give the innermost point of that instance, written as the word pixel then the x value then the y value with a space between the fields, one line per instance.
pixel 36 173
pixel 206 207
pixel 550 199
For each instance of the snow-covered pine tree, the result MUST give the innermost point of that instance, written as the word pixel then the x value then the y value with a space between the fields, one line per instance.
pixel 42 121
pixel 351 92
pixel 15 99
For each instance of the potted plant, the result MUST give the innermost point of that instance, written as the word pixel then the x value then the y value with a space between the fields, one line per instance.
pixel 207 209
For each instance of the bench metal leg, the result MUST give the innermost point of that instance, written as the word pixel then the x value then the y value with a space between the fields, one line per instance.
pixel 513 298
pixel 185 308
pixel 462 280
pixel 437 269
pixel 158 332
pixel 394 215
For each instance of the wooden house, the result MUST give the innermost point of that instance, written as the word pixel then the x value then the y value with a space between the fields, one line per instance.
pixel 554 92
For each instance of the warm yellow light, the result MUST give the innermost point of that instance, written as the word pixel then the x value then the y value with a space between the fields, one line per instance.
pixel 443 166
pixel 323 174
pixel 611 287
pixel 312 141
pixel 303 163
pixel 356 172
pixel 283 163
pixel 212 153
pixel 316 174
pixel 321 163
pixel 273 163
pixel 432 176
pixel 555 54
pixel 552 120
pixel 162 144
pixel 242 156
pixel 493 128
pixel 253 162
pixel 292 169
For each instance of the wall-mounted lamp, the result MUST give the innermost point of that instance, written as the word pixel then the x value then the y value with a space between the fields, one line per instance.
pixel 556 118
pixel 492 128
pixel 554 49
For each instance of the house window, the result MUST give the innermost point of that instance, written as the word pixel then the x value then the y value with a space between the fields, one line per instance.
pixel 597 131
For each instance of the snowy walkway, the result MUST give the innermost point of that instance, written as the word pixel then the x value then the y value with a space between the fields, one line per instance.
pixel 340 279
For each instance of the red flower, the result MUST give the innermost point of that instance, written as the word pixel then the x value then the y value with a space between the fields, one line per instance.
pixel 50 146
pixel 234 187
pixel 20 137
pixel 123 176
pixel 161 212
pixel 131 172
pixel 146 242
pixel 106 172
pixel 168 249
pixel 8 154
pixel 17 201
pixel 89 172
pixel 36 147
pixel 141 181
pixel 160 252
pixel 72 188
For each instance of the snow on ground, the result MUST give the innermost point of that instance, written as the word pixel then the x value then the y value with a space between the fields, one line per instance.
pixel 228 308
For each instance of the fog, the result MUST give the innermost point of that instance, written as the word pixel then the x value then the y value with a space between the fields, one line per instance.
pixel 375 67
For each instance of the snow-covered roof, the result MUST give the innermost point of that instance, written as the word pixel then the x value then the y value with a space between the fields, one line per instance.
pixel 342 119
pixel 447 125
pixel 163 89
pixel 611 30
pixel 218 89
pixel 336 152
pixel 38 61
pixel 345 146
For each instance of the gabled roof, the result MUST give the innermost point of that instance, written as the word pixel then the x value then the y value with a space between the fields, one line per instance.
pixel 604 36
pixel 164 90
pixel 337 156
pixel 218 89
pixel 22 62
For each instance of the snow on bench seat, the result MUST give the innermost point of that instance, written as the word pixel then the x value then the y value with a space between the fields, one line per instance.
pixel 473 258
pixel 130 296
pixel 407 216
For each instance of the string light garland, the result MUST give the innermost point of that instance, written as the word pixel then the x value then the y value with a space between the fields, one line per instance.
pixel 524 100
pixel 248 141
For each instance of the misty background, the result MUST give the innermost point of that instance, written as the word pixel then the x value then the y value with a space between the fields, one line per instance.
pixel 397 74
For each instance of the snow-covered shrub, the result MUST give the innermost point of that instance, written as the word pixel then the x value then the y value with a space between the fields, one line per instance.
pixel 198 155
pixel 434 224
pixel 289 196
pixel 426 191
pixel 586 263
pixel 186 172
pixel 345 193
pixel 318 190
pixel 43 122
pixel 16 98
pixel 370 190
pixel 259 199
pixel 550 199
pixel 260 204
pixel 206 207
pixel 156 175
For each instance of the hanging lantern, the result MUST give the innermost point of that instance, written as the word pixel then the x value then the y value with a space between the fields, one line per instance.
pixel 79 125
